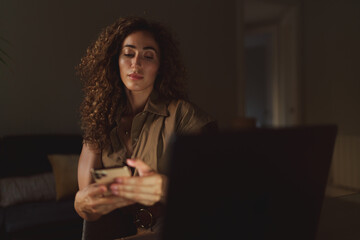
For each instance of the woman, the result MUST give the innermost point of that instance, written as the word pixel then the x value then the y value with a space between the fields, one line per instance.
pixel 134 101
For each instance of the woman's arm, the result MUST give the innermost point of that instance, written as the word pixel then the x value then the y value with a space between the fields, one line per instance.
pixel 89 158
pixel 90 202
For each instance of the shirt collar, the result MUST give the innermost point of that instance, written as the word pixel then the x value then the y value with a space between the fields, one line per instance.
pixel 156 105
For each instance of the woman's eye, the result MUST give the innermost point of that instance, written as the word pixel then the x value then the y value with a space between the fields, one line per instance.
pixel 129 54
pixel 149 56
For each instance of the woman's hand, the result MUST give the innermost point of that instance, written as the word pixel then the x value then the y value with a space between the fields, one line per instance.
pixel 93 201
pixel 90 201
pixel 147 189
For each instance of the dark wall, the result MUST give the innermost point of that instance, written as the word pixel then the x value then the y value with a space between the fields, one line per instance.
pixel 331 63
pixel 39 92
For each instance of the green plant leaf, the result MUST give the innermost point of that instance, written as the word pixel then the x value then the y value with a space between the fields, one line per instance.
pixel 5 40
pixel 4 53
pixel 1 60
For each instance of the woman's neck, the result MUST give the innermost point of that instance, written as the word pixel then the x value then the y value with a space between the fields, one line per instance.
pixel 137 100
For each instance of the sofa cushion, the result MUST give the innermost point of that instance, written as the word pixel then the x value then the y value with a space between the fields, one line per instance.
pixel 32 215
pixel 2 216
pixel 65 171
pixel 39 187
pixel 3 234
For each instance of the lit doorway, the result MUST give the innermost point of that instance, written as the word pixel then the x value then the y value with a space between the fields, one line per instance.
pixel 271 62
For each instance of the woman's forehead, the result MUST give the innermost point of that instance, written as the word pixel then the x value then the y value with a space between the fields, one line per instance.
pixel 141 40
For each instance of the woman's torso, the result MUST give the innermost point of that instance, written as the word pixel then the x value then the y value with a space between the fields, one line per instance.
pixel 151 131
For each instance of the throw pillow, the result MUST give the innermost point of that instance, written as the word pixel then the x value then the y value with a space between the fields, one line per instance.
pixel 65 173
pixel 15 190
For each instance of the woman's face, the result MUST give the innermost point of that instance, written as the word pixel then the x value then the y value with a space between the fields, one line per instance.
pixel 139 62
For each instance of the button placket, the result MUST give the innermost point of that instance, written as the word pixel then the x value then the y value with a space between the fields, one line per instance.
pixel 137 126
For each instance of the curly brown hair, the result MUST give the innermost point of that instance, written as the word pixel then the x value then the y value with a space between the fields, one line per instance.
pixel 102 87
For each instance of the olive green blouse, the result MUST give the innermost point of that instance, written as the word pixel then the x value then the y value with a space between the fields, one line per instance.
pixel 152 129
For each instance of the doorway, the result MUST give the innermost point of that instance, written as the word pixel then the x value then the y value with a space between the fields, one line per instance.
pixel 271 61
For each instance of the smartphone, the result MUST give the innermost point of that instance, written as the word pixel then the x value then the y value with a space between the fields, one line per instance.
pixel 107 175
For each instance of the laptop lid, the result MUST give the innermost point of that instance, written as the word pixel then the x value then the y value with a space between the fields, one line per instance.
pixel 248 184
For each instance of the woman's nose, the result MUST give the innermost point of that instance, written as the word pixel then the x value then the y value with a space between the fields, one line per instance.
pixel 136 61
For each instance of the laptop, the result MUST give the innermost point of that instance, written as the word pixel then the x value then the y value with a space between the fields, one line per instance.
pixel 248 184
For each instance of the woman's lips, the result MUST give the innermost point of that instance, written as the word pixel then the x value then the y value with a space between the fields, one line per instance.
pixel 135 76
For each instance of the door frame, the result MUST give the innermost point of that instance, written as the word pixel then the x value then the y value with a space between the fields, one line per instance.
pixel 284 101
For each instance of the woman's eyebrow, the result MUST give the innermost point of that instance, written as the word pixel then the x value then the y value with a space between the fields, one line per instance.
pixel 145 48
pixel 130 46
pixel 151 48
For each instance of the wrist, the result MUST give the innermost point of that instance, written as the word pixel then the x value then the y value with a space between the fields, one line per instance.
pixel 83 212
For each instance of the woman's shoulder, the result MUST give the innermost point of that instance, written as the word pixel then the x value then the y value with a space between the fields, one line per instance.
pixel 190 117
pixel 184 107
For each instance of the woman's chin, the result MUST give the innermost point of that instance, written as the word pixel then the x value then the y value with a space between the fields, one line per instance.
pixel 139 88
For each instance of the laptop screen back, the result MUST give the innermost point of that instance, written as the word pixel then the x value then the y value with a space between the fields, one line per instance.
pixel 249 184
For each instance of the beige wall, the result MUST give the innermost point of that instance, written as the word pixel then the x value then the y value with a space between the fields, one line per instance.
pixel 331 63
pixel 40 93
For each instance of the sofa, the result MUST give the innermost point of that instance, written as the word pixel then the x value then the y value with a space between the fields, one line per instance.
pixel 38 182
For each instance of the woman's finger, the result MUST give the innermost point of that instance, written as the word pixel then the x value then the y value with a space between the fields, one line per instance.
pixel 141 166
pixel 155 179
pixel 95 200
pixel 113 202
pixel 155 184
pixel 95 190
pixel 149 189
pixel 104 205
pixel 143 198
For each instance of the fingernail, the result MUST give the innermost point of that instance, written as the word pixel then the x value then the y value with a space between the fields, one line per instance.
pixel 119 180
pixel 114 188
